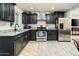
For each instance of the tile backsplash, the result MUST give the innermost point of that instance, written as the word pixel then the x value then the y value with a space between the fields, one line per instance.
pixel 4 25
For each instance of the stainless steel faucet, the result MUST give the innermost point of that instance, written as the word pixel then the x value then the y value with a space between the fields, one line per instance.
pixel 15 29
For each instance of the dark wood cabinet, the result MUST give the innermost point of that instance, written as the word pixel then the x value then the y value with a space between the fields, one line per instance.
pixel 6 46
pixel 28 18
pixel 12 12
pixel 51 35
pixel 24 18
pixel 50 19
pixel 12 45
pixel 33 35
pixel 25 38
pixel 18 44
pixel 33 18
pixel 29 35
pixel 7 11
pixel 1 11
pixel 59 14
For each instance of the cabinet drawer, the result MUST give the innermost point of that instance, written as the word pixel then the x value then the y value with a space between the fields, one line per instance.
pixel 53 37
pixel 52 32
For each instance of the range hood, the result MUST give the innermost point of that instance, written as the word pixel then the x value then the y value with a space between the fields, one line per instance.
pixel 41 16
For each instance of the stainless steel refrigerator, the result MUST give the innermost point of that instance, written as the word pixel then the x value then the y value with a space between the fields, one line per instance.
pixel 64 29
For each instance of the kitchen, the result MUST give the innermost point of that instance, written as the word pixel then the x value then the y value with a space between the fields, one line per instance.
pixel 24 24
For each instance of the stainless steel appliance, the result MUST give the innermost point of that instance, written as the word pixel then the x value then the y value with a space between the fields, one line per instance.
pixel 64 29
pixel 41 35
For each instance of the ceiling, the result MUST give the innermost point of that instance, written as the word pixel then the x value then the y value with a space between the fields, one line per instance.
pixel 46 6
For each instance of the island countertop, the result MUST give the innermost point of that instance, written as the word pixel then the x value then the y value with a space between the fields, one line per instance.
pixel 13 33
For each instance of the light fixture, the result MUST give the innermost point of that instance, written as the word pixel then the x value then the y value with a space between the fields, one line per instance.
pixel 52 8
pixel 31 7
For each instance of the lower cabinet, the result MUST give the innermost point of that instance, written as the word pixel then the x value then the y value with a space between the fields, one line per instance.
pixel 51 35
pixel 33 35
pixel 29 35
pixel 18 44
pixel 12 45
pixel 6 46
pixel 25 39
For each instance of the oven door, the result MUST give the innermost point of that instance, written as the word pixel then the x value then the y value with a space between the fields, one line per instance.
pixel 40 34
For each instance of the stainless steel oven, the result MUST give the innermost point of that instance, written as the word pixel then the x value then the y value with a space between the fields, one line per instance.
pixel 41 35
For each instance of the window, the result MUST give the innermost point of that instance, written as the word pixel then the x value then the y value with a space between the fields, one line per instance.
pixel 17 18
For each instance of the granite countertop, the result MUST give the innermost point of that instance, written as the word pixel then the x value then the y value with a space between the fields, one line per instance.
pixel 13 33
pixel 45 29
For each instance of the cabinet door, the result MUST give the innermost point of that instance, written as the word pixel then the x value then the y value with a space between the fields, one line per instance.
pixel 25 39
pixel 1 11
pixel 59 14
pixel 47 19
pixel 29 35
pixel 28 19
pixel 52 34
pixel 7 11
pixel 18 45
pixel 12 11
pixel 6 48
pixel 33 35
pixel 50 19
pixel 33 18
pixel 24 18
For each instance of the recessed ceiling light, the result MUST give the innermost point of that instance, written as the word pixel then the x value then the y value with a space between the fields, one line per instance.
pixel 31 7
pixel 52 7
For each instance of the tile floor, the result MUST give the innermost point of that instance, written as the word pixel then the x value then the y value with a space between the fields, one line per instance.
pixel 49 48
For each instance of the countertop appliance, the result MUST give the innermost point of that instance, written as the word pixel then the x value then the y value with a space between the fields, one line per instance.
pixel 41 36
pixel 64 29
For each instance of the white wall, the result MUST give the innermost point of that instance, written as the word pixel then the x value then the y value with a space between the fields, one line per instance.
pixel 4 25
pixel 73 13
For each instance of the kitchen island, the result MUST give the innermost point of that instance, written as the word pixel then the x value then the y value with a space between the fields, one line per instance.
pixel 11 43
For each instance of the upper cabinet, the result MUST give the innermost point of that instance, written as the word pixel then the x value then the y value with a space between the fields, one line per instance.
pixel 58 14
pixel 28 18
pixel 7 11
pixel 24 18
pixel 50 19
pixel 33 18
